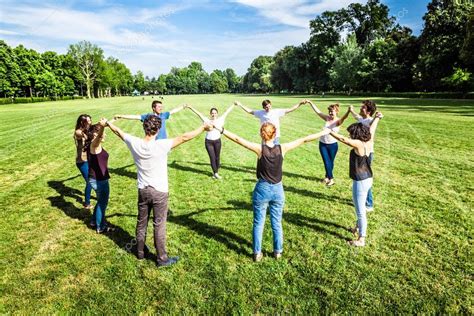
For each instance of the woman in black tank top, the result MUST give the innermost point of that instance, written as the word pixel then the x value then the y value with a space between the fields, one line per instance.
pixel 360 171
pixel 268 191
pixel 98 174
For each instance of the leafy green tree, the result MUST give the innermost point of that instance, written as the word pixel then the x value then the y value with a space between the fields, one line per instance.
pixel 467 55
pixel 139 81
pixel 232 79
pixel 30 64
pixel 280 71
pixel 9 71
pixel 347 63
pixel 445 27
pixel 218 82
pixel 88 58
pixel 161 84
pixel 258 75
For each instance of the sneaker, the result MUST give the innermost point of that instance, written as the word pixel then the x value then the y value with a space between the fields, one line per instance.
pixel 87 206
pixel 169 262
pixel 257 257
pixel 330 183
pixel 217 176
pixel 277 255
pixel 325 180
pixel 357 243
pixel 106 229
pixel 369 209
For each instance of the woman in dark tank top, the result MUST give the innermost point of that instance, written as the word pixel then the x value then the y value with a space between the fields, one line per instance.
pixel 98 174
pixel 268 191
pixel 361 139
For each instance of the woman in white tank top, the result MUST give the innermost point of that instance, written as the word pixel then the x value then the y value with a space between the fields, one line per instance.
pixel 327 144
pixel 213 137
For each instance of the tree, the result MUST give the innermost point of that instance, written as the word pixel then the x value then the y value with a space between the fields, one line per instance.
pixel 280 72
pixel 88 57
pixel 139 81
pixel 258 75
pixel 344 70
pixel 218 82
pixel 467 56
pixel 441 42
pixel 232 79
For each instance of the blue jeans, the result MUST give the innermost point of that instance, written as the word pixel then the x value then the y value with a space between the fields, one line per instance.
pixel 359 196
pixel 84 169
pixel 328 152
pixel 272 196
pixel 370 199
pixel 102 191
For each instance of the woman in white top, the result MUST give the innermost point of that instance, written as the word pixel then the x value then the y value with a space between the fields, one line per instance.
pixel 328 144
pixel 213 137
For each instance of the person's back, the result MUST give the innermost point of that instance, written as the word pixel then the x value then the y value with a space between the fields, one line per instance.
pixel 150 157
pixel 269 165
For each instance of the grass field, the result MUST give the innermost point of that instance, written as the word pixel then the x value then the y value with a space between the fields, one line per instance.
pixel 419 256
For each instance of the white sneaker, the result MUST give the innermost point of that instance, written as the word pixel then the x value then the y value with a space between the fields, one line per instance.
pixel 369 209
pixel 217 176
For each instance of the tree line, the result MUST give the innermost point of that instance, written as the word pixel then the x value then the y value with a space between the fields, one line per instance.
pixel 375 55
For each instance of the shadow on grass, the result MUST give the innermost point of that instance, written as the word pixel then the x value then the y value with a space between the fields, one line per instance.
pixel 119 236
pixel 319 196
pixel 318 225
pixel 230 240
pixel 122 171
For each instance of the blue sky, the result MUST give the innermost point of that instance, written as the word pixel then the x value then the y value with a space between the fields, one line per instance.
pixel 153 36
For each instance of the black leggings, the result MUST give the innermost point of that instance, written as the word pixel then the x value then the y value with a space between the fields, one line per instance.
pixel 213 148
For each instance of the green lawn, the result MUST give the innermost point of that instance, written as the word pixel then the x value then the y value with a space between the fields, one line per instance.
pixel 419 256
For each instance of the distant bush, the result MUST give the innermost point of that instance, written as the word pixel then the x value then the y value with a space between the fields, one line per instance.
pixel 419 95
pixel 36 99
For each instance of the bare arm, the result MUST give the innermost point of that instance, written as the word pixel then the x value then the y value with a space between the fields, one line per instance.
pixel 296 143
pixel 256 148
pixel 189 135
pixel 344 117
pixel 227 111
pixel 246 109
pixel 294 107
pixel 199 114
pixel 354 114
pixel 97 140
pixel 177 109
pixel 117 131
pixel 346 140
pixel 127 117
pixel 374 124
pixel 318 111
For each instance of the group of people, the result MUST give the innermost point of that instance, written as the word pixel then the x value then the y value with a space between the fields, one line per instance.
pixel 150 157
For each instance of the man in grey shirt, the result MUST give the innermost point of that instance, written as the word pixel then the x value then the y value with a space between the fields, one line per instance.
pixel 150 156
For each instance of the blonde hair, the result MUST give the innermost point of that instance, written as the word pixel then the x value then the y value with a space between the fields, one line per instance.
pixel 335 107
pixel 267 131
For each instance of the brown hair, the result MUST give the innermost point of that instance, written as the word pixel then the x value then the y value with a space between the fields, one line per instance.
pixel 265 103
pixel 359 131
pixel 154 103
pixel 210 111
pixel 82 123
pixel 93 129
pixel 334 107
pixel 267 131
pixel 151 125
pixel 370 106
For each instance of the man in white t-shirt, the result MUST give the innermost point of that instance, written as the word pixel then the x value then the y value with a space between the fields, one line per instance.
pixel 367 110
pixel 270 115
pixel 150 156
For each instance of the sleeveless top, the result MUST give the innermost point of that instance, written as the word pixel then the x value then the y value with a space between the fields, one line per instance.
pixel 328 139
pixel 269 165
pixel 81 150
pixel 98 165
pixel 359 166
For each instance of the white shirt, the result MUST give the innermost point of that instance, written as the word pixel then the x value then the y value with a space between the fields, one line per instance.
pixel 214 134
pixel 272 116
pixel 151 159
pixel 328 139
pixel 367 121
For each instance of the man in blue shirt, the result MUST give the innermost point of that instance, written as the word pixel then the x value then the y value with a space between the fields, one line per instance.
pixel 157 107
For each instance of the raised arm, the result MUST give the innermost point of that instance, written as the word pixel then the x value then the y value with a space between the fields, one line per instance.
pixel 374 124
pixel 127 117
pixel 344 117
pixel 117 131
pixel 354 114
pixel 229 109
pixel 190 135
pixel 298 142
pixel 256 148
pixel 318 111
pixel 199 114
pixel 354 143
pixel 97 140
pixel 294 107
pixel 246 109
pixel 177 109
